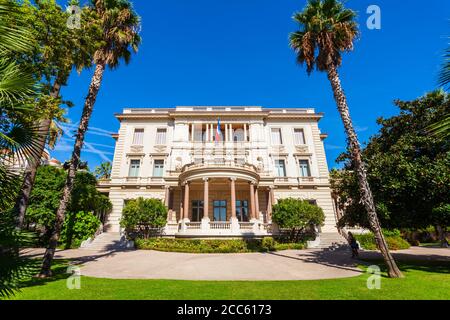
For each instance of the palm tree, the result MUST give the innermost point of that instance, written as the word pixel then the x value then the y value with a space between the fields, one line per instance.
pixel 103 171
pixel 17 138
pixel 119 24
pixel 59 50
pixel 327 29
pixel 17 87
pixel 441 129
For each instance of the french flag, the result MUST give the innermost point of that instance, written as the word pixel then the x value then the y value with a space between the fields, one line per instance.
pixel 218 132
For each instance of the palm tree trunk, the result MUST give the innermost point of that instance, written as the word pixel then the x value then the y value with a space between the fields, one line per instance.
pixel 75 160
pixel 364 188
pixel 21 204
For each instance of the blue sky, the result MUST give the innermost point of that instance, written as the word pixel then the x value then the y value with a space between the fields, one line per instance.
pixel 235 52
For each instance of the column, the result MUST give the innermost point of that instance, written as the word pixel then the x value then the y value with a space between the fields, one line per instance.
pixel 166 203
pixel 205 219
pixel 167 197
pixel 256 203
pixel 252 201
pixel 181 203
pixel 233 198
pixel 272 196
pixel 227 135
pixel 231 132
pixel 207 132
pixel 205 198
pixel 186 202
pixel 234 219
pixel 192 132
pixel 245 132
pixel 269 206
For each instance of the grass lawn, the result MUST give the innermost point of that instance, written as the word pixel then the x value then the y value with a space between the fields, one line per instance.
pixel 424 280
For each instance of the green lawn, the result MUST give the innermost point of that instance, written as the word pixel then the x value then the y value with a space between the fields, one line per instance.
pixel 424 280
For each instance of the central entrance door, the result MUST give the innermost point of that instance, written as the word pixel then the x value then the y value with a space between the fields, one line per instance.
pixel 242 210
pixel 220 210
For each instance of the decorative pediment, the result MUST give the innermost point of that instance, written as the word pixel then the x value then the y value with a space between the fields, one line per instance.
pixel 160 148
pixel 279 149
pixel 302 149
pixel 136 149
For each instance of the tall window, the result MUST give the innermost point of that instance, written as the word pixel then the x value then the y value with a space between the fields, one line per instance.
pixel 197 210
pixel 242 210
pixel 220 210
pixel 304 168
pixel 238 135
pixel 161 136
pixel 299 137
pixel 276 136
pixel 135 165
pixel 280 168
pixel 138 137
pixel 158 168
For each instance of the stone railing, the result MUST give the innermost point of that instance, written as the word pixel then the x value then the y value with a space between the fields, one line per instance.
pixel 246 225
pixel 193 225
pixel 220 225
pixel 220 164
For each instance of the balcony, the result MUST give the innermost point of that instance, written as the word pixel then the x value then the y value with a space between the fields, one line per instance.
pixel 187 229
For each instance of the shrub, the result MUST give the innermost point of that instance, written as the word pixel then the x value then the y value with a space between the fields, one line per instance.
pixel 143 216
pixel 214 246
pixel 367 241
pixel 289 246
pixel 78 227
pixel 296 215
pixel 268 244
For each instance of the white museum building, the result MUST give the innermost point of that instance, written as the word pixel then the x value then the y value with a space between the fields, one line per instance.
pixel 219 170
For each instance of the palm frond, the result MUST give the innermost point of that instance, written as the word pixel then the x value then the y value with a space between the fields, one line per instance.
pixel 441 129
pixel 16 84
pixel 444 76
pixel 16 37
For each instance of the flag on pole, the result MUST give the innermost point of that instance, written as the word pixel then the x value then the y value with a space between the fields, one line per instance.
pixel 218 132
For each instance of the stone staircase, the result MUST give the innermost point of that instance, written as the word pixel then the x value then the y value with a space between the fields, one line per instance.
pixel 331 241
pixel 108 241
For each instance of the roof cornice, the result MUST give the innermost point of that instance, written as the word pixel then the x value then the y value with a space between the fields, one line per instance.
pixel 264 114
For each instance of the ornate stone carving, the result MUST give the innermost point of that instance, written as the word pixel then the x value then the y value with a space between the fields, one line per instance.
pixel 302 149
pixel 137 149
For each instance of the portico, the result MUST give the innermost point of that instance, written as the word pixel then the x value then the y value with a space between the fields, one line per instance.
pixel 215 201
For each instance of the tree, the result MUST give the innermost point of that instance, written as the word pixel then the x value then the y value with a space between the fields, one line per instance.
pixel 87 204
pixel 327 29
pixel 58 50
pixel 142 215
pixel 408 169
pixel 16 140
pixel 297 215
pixel 442 127
pixel 103 171
pixel 120 27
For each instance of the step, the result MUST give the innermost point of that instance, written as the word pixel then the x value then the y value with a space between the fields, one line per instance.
pixel 108 241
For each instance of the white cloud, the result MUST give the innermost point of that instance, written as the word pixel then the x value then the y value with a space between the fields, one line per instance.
pixel 361 129
pixel 333 147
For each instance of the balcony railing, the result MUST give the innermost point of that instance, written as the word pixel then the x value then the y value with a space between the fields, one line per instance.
pixel 219 163
pixel 220 225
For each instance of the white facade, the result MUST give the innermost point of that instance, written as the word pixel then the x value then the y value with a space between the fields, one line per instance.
pixel 223 187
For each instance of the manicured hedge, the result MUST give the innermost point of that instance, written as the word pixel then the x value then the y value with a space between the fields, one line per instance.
pixel 394 241
pixel 214 246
